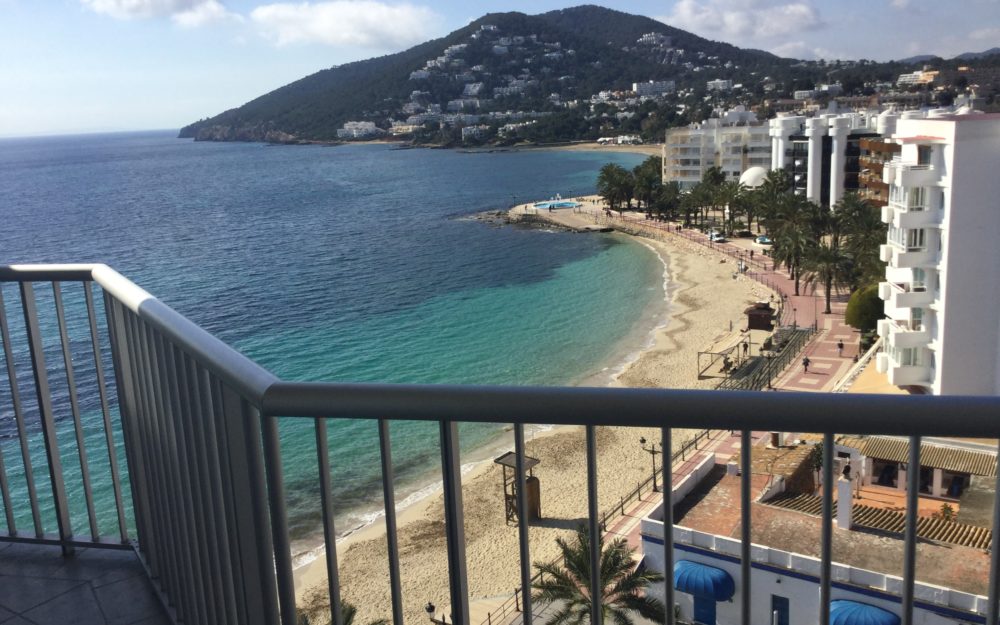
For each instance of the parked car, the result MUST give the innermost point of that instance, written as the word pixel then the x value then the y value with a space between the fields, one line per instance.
pixel 716 237
pixel 763 240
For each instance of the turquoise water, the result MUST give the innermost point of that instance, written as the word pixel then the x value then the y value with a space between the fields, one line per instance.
pixel 356 263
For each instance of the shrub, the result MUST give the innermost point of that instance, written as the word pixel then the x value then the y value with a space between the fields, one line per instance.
pixel 864 309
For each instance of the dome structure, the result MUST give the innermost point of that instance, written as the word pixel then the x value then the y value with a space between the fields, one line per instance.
pixel 753 177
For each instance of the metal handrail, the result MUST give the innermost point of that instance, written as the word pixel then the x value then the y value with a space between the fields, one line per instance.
pixel 200 426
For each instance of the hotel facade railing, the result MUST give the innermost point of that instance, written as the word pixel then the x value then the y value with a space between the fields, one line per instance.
pixel 199 424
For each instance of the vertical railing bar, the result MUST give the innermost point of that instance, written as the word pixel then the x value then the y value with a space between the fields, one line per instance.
pixel 279 520
pixel 910 537
pixel 668 525
pixel 49 434
pixel 127 385
pixel 258 499
pixel 182 396
pixel 522 522
pixel 594 530
pixel 208 450
pixel 993 609
pixel 166 510
pixel 161 512
pixel 22 431
pixel 74 403
pixel 329 528
pixel 451 471
pixel 179 544
pixel 249 604
pixel 207 521
pixel 746 471
pixel 109 435
pixel 8 509
pixel 826 538
pixel 392 537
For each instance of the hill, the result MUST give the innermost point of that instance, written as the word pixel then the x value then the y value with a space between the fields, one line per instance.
pixel 570 53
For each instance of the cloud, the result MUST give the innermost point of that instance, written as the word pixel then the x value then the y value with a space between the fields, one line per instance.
pixel 899 4
pixel 187 13
pixel 801 50
pixel 745 21
pixel 206 12
pixel 992 34
pixel 364 23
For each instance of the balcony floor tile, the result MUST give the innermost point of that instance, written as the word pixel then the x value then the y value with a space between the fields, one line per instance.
pixel 104 587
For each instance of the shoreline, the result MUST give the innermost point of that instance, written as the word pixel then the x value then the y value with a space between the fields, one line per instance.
pixel 700 302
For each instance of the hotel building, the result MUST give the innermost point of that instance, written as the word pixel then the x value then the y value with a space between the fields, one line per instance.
pixel 941 299
pixel 734 144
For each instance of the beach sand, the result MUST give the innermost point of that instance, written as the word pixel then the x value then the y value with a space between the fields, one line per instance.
pixel 703 300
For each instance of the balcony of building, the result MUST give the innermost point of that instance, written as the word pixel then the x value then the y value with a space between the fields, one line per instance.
pixel 904 333
pixel 903 374
pixel 905 257
pixel 910 175
pixel 186 444
pixel 899 298
pixel 909 215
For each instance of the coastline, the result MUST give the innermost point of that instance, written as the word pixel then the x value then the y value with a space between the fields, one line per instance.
pixel 701 301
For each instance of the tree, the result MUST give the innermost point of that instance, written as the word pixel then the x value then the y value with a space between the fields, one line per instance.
pixel 614 184
pixel 729 194
pixel 668 199
pixel 863 232
pixel 622 584
pixel 792 227
pixel 648 179
pixel 864 309
pixel 827 264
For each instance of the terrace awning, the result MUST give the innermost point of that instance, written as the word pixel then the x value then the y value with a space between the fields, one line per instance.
pixel 844 612
pixel 702 580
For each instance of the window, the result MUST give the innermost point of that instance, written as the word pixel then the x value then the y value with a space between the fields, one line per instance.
pixel 779 610
pixel 916 318
pixel 915 239
pixel 924 154
pixel 916 198
pixel 919 280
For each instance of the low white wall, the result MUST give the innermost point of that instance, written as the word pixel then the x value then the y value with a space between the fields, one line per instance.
pixel 688 482
pixel 796 577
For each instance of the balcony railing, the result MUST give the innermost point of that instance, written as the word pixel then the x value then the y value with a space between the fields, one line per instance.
pixel 205 505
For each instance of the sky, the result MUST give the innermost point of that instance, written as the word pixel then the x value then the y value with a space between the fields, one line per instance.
pixel 73 66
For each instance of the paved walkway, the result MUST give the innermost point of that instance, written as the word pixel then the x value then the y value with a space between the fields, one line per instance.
pixel 828 364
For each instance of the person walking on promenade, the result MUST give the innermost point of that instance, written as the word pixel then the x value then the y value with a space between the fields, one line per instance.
pixel 805 364
pixel 840 348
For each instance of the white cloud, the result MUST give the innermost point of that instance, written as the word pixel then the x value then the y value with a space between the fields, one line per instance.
pixel 187 13
pixel 204 13
pixel 365 23
pixel 992 34
pixel 744 21
pixel 801 50
pixel 899 4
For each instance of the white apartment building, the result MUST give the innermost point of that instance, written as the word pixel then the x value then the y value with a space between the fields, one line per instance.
pixel 359 130
pixel 941 291
pixel 689 152
pixel 653 87
pixel 822 153
pixel 719 85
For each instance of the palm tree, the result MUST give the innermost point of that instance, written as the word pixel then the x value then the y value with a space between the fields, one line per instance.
pixel 621 584
pixel 729 194
pixel 611 183
pixel 793 228
pixel 828 265
pixel 315 609
pixel 648 178
pixel 863 233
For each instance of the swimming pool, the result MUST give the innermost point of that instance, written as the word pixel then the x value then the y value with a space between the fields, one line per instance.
pixel 558 204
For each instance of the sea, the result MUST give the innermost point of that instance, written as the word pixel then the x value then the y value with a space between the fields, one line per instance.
pixel 354 263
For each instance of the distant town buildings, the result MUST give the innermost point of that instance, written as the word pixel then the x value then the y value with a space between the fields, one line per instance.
pixel 359 130
pixel 653 88
pixel 942 255
pixel 719 85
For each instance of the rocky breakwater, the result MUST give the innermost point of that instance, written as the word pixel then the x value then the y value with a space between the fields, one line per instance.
pixel 261 133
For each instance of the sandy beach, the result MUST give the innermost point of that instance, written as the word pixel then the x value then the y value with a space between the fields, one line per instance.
pixel 703 299
pixel 650 149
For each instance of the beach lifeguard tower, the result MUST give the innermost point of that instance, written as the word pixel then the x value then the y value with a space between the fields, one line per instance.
pixel 532 492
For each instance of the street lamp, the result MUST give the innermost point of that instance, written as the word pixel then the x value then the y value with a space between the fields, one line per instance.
pixel 430 609
pixel 795 318
pixel 652 451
